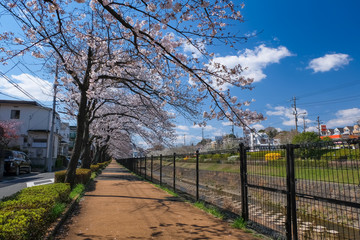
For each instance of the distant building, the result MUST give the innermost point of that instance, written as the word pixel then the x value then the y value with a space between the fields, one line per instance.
pixel 347 132
pixel 65 139
pixel 35 128
pixel 72 137
pixel 261 139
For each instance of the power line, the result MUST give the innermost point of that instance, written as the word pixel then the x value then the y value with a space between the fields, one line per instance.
pixel 331 89
pixel 20 89
pixel 331 101
pixel 11 96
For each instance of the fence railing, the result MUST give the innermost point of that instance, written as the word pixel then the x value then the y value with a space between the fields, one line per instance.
pixel 288 192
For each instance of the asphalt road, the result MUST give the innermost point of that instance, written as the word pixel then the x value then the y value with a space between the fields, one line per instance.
pixel 12 184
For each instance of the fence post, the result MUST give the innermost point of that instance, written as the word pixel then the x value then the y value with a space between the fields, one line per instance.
pixel 293 191
pixel 291 222
pixel 160 169
pixel 288 197
pixel 151 169
pixel 137 166
pixel 243 179
pixel 145 168
pixel 174 172
pixel 197 175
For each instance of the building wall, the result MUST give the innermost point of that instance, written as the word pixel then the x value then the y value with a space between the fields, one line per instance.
pixel 34 130
pixel 31 117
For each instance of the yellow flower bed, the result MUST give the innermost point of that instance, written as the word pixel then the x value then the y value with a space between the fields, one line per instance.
pixel 272 156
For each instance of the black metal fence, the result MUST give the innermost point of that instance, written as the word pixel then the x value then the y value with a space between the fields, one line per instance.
pixel 288 192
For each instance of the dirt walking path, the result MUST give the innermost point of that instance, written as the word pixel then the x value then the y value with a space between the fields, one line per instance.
pixel 121 206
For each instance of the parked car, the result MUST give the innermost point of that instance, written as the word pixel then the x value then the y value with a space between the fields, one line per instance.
pixel 15 161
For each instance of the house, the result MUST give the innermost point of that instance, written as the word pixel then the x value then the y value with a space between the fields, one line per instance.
pixel 261 139
pixel 65 139
pixel 348 130
pixel 72 137
pixel 34 132
pixel 329 132
pixel 356 130
pixel 338 131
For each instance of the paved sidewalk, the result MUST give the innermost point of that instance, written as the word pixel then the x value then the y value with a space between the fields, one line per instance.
pixel 121 206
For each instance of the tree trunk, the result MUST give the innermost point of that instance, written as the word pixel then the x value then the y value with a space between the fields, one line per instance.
pixel 81 119
pixel 86 159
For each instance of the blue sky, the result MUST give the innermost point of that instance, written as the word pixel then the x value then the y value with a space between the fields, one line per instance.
pixel 307 49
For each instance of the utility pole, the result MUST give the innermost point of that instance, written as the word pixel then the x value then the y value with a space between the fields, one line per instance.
pixel 304 123
pixel 202 133
pixel 318 121
pixel 184 139
pixel 51 142
pixel 295 114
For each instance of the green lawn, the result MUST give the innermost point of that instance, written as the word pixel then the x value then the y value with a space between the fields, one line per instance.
pixel 349 176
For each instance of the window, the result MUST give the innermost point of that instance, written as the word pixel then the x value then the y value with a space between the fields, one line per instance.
pixel 40 143
pixel 15 114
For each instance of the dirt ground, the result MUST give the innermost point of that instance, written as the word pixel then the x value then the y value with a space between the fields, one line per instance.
pixel 121 206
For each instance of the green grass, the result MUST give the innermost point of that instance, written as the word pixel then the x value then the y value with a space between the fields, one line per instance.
pixel 209 209
pixel 347 176
pixel 93 175
pixel 166 190
pixel 57 210
pixel 239 223
pixel 78 189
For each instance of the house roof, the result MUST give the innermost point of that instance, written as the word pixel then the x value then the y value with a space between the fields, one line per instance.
pixel 351 128
pixel 331 130
pixel 32 103
pixel 20 102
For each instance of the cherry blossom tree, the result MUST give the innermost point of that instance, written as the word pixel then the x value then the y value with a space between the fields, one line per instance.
pixel 139 47
pixel 9 131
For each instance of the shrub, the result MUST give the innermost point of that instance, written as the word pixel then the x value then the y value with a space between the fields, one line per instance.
pixel 82 176
pixel 94 167
pixel 27 215
pixel 102 165
pixel 60 161
pixel 272 156
pixel 233 159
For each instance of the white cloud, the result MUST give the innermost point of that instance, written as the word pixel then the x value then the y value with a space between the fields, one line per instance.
pixel 207 127
pixel 227 123
pixel 286 114
pixel 255 60
pixel 188 139
pixel 182 127
pixel 37 87
pixel 195 52
pixel 329 62
pixel 219 132
pixel 344 118
pixel 257 126
pixel 312 129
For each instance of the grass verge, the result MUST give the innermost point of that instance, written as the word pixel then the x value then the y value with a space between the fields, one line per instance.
pixel 239 223
pixel 210 209
pixel 78 189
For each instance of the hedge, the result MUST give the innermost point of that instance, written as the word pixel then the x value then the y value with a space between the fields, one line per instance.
pixel 27 215
pixel 82 176
pixel 94 167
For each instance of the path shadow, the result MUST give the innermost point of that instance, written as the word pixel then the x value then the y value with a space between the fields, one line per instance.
pixel 190 231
